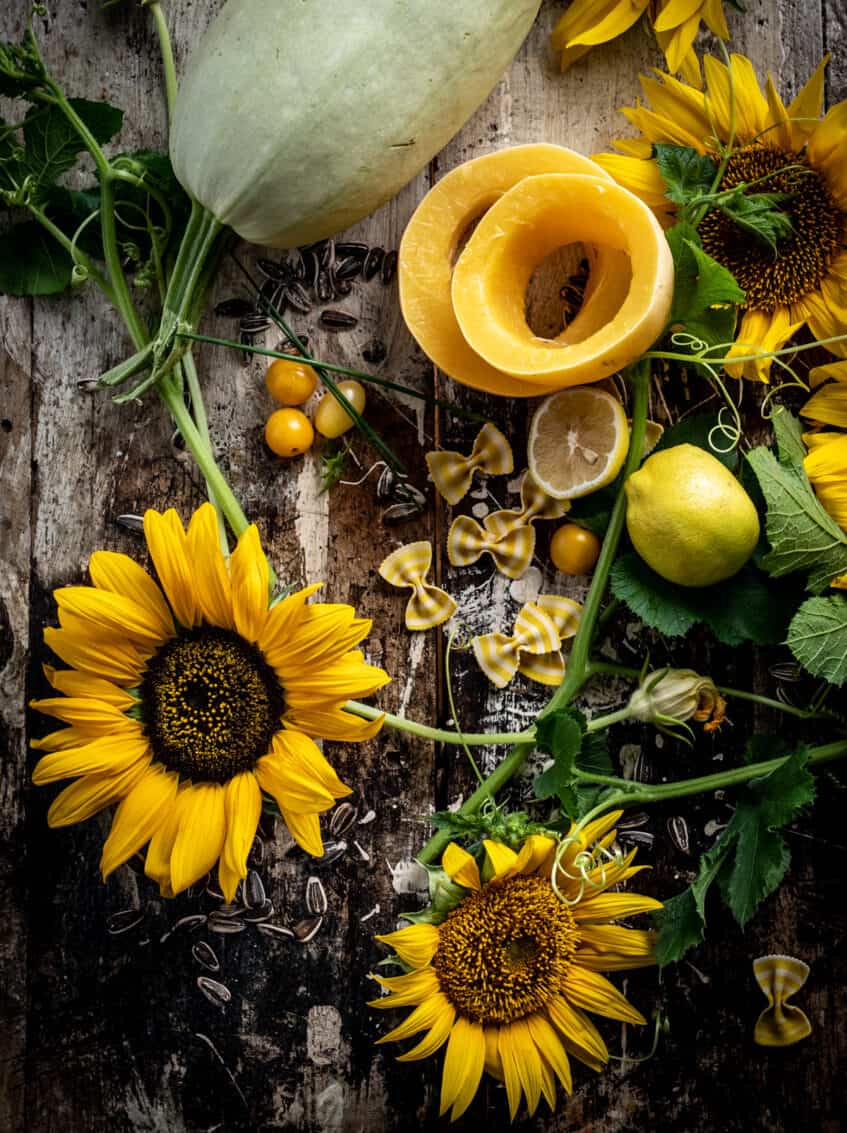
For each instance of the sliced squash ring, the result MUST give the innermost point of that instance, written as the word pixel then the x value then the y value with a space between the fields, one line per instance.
pixel 429 248
pixel 533 219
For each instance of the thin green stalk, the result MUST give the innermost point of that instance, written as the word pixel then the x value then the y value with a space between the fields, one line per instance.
pixel 76 255
pixel 168 65
pixel 600 723
pixel 631 793
pixel 704 356
pixel 335 368
pixel 437 735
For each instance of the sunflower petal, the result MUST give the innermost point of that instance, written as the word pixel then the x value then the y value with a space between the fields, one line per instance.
pixel 138 817
pixel 283 619
pixel 611 906
pixel 211 577
pixel 584 1040
pixel 250 576
pixel 103 609
pixel 92 793
pixel 415 945
pixel 595 993
pixel 624 941
pixel 200 837
pixel 433 1010
pixel 463 1066
pixel 511 1077
pixel 436 1037
pixel 305 829
pixel 105 755
pixel 335 724
pixel 84 712
pixel 347 679
pixel 72 683
pixel 306 756
pixel 297 792
pixel 547 1041
pixel 405 991
pixel 534 852
pixel 120 574
pixel 110 659
pixel 500 860
pixel 461 867
pixel 167 542
pixel 242 810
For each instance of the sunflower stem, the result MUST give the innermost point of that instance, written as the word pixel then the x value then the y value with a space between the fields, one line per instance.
pixel 437 735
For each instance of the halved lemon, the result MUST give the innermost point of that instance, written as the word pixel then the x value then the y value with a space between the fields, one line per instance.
pixel 577 442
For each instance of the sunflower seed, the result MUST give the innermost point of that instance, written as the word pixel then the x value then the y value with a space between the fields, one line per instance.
pixel 216 894
pixel 398 512
pixel 363 854
pixel 131 522
pixel 375 352
pixel 349 268
pixel 229 911
pixel 342 819
pixel 351 248
pixel 324 289
pixel 369 817
pixel 633 821
pixel 215 992
pixel 637 837
pixel 327 254
pixel 88 385
pixel 373 262
pixel 204 954
pixel 306 929
pixel 298 266
pixel 338 320
pixel 786 671
pixel 678 831
pixel 280 931
pixel 257 852
pixel 389 268
pixel 273 270
pixel 235 308
pixel 254 324
pixel 225 926
pixel 193 920
pixel 311 269
pixel 136 863
pixel 123 921
pixel 298 297
pixel 253 892
pixel 342 287
pixel 316 901
pixel 262 912
pixel 333 851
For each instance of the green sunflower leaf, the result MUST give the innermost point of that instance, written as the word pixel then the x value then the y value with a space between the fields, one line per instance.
pixel 744 608
pixel 687 174
pixel 31 262
pixel 759 215
pixel 802 536
pixel 682 922
pixel 705 293
pixel 761 856
pixel 560 735
pixel 51 142
pixel 817 637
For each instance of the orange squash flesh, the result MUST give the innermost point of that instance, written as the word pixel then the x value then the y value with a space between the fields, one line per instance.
pixel 533 219
pixel 431 243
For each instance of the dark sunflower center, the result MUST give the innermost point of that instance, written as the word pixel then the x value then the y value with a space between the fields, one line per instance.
pixel 504 952
pixel 802 259
pixel 210 704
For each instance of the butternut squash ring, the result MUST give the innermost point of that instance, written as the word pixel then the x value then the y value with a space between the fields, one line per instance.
pixel 430 245
pixel 529 222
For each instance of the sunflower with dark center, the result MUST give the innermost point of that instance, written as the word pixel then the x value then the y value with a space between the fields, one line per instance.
pixel 784 149
pixel 186 701
pixel 506 978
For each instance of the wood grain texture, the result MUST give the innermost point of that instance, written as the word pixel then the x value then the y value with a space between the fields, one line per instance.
pixel 111 1032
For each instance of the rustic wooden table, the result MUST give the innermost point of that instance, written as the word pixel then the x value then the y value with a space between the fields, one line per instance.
pixel 110 1032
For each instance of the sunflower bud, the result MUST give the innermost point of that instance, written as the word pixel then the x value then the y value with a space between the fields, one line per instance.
pixel 676 695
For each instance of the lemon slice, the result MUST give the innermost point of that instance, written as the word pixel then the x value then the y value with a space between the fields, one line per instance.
pixel 577 442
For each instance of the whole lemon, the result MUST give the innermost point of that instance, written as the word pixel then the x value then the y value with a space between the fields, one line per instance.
pixel 689 518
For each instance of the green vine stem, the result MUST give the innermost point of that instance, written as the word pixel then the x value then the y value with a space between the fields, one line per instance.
pixel 166 50
pixel 437 735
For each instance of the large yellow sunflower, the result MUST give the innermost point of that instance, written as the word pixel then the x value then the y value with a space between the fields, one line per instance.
pixel 785 150
pixel 507 977
pixel 185 703
pixel 588 23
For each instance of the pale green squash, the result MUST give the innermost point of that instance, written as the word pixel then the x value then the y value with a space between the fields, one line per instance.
pixel 296 118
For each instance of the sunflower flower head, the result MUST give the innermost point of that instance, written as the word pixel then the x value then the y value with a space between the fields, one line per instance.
pixel 506 978
pixel 787 152
pixel 185 701
pixel 676 695
pixel 587 23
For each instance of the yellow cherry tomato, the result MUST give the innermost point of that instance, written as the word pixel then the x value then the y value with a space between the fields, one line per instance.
pixel 288 432
pixel 574 550
pixel 292 383
pixel 331 419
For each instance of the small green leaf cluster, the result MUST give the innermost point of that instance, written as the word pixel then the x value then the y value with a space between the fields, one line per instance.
pixel 749 859
pixel 563 735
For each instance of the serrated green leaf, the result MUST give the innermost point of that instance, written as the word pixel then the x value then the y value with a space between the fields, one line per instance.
pixel 21 69
pixel 52 144
pixel 560 735
pixel 789 440
pixel 705 292
pixel 761 856
pixel 759 215
pixel 593 757
pixel 687 174
pixel 802 536
pixel 682 921
pixel 743 608
pixel 817 637
pixel 31 262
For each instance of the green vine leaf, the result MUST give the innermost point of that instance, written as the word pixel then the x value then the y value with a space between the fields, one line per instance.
pixel 817 637
pixel 705 293
pixel 687 174
pixel 560 735
pixel 744 608
pixel 759 215
pixel 52 144
pixel 682 921
pixel 31 262
pixel 802 536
